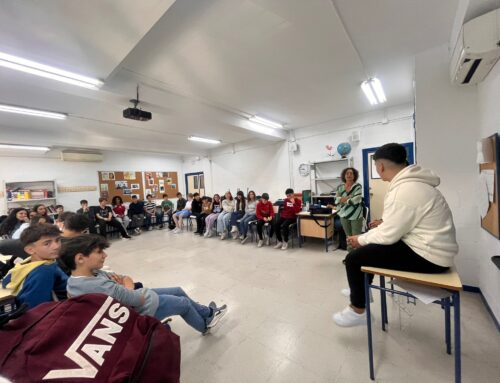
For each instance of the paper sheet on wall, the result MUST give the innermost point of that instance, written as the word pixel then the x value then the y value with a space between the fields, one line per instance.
pixel 424 294
pixel 482 200
pixel 489 175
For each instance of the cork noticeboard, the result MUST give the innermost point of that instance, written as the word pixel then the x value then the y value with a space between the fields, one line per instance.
pixel 123 183
pixel 159 183
pixel 491 150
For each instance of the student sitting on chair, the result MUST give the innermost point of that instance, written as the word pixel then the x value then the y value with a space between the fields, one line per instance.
pixel 120 211
pixel 287 216
pixel 15 223
pixel 206 210
pixel 85 257
pixel 105 217
pixel 196 206
pixel 168 207
pixel 416 234
pixel 237 214
pixel 136 212
pixel 38 278
pixel 249 216
pixel 211 219
pixel 40 209
pixel 264 212
pixel 75 225
pixel 228 206
pixel 150 210
pixel 181 214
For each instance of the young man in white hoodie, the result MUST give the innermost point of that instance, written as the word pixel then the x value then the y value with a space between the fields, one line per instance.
pixel 416 232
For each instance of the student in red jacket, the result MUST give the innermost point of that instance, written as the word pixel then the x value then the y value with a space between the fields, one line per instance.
pixel 288 215
pixel 265 213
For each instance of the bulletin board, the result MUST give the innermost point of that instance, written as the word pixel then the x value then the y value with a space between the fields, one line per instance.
pixel 124 184
pixel 491 153
pixel 159 183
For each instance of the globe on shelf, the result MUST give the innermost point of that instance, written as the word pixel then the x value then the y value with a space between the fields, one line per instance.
pixel 344 149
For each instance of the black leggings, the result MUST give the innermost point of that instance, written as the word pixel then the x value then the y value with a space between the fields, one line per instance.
pixel 114 223
pixel 200 222
pixel 398 256
pixel 282 228
pixel 260 225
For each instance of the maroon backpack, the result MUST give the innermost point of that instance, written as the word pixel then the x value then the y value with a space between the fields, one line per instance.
pixel 90 338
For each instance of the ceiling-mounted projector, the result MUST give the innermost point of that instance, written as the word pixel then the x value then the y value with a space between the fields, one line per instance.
pixel 135 113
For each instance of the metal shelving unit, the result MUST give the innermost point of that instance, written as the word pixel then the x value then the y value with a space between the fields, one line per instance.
pixel 48 188
pixel 325 176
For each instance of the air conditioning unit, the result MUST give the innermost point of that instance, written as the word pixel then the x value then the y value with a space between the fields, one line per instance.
pixel 477 49
pixel 72 156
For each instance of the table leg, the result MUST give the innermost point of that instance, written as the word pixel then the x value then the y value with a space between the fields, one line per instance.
pixel 456 325
pixel 369 326
pixel 447 324
pixel 326 234
pixel 298 231
pixel 383 303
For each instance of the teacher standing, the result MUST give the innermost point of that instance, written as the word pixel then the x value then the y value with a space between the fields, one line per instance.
pixel 349 201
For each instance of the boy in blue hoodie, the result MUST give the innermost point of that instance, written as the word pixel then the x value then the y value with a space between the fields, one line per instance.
pixel 38 278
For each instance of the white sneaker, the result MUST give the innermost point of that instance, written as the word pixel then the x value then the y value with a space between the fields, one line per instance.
pixel 235 235
pixel 224 235
pixel 242 237
pixel 349 318
pixel 234 229
pixel 284 246
pixel 209 234
pixel 244 240
pixel 278 245
pixel 260 243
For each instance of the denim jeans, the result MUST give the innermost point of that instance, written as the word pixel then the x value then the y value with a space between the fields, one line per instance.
pixel 235 216
pixel 247 218
pixel 223 221
pixel 174 301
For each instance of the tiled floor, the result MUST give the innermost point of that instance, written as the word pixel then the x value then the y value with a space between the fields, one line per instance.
pixel 279 328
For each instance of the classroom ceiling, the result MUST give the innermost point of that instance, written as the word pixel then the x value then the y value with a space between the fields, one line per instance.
pixel 205 66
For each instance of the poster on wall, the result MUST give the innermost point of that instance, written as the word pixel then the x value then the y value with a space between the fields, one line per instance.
pixel 169 181
pixel 135 186
pixel 104 187
pixel 127 191
pixel 121 185
pixel 129 175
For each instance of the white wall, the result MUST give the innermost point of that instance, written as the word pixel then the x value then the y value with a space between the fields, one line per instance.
pixel 397 127
pixel 489 118
pixel 50 167
pixel 269 167
pixel 446 132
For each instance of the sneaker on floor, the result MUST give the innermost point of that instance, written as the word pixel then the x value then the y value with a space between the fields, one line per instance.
pixel 242 237
pixel 217 315
pixel 259 244
pixel 349 318
pixel 278 245
pixel 235 236
pixel 137 231
pixel 150 228
pixel 223 235
pixel 244 240
pixel 209 234
pixel 160 227
pixel 126 237
pixel 234 229
pixel 284 246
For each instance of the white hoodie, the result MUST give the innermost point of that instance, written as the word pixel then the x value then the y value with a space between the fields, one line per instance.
pixel 416 213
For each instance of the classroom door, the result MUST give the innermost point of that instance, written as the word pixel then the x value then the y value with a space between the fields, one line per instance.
pixel 374 188
pixel 195 183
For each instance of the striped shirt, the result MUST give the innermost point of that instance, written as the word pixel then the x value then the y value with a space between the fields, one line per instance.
pixel 150 207
pixel 353 209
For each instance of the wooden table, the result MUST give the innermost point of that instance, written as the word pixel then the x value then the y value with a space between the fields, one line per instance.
pixel 317 226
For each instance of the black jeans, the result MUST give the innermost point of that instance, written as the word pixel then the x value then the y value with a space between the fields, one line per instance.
pixel 282 228
pixel 200 222
pixel 114 223
pixel 260 225
pixel 398 256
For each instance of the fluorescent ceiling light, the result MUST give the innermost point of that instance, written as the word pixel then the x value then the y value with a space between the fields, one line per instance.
pixel 31 112
pixel 201 139
pixel 24 147
pixel 28 66
pixel 265 121
pixel 374 91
